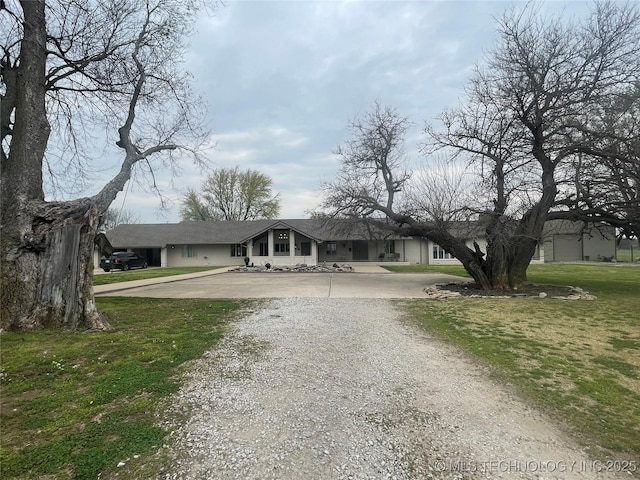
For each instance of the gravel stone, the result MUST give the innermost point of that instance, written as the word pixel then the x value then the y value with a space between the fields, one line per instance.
pixel 312 388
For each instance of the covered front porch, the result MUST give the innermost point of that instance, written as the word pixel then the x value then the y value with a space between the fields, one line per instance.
pixel 283 246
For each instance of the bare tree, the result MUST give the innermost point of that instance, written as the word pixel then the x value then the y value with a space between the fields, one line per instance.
pixel 523 124
pixel 114 217
pixel 111 64
pixel 440 191
pixel 604 178
pixel 374 185
pixel 521 130
pixel 232 194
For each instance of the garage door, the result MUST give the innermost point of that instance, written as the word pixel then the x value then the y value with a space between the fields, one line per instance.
pixel 566 248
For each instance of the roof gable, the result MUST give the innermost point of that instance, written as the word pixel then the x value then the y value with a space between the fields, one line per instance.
pixel 301 227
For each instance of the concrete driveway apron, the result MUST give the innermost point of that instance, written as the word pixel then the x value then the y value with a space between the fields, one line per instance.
pixel 365 282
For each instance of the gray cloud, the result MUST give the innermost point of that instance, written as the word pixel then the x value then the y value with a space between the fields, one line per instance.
pixel 282 78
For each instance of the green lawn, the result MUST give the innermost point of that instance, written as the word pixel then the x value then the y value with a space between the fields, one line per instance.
pixel 578 360
pixel 628 256
pixel 116 276
pixel 449 269
pixel 74 405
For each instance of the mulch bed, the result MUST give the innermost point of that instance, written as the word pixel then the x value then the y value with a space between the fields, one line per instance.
pixel 530 290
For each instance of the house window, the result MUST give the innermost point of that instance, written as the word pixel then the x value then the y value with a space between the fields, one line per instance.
pixel 264 249
pixel 440 254
pixel 305 249
pixel 282 248
pixel 390 246
pixel 238 250
pixel 332 248
pixel 189 251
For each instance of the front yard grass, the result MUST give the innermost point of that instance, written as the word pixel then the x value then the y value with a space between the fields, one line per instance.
pixel 578 360
pixel 449 269
pixel 74 405
pixel 116 276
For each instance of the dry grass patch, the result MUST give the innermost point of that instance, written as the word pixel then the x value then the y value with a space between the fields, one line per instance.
pixel 580 360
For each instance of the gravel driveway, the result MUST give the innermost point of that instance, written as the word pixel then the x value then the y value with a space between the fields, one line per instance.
pixel 312 388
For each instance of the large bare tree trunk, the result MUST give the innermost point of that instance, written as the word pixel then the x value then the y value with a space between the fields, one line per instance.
pixel 48 282
pixel 46 248
pixel 503 267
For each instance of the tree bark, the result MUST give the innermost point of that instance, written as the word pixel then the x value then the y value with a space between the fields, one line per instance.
pixel 46 248
pixel 47 281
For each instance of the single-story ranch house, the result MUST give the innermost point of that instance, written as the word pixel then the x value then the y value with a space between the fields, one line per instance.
pixel 313 241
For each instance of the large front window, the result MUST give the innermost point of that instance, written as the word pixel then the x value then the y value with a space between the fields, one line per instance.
pixel 440 254
pixel 389 246
pixel 189 251
pixel 238 250
pixel 282 248
pixel 332 248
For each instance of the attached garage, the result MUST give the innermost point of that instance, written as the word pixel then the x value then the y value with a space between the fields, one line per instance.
pixel 564 248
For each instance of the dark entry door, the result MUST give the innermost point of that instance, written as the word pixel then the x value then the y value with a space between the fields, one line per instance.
pixel 360 250
pixel 153 256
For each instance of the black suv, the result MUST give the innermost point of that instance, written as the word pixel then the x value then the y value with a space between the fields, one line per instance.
pixel 123 261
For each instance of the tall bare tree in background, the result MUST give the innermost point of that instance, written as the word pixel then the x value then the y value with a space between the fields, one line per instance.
pixel 114 217
pixel 232 194
pixel 604 178
pixel 549 128
pixel 111 64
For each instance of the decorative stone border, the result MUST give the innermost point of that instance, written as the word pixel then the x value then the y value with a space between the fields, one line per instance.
pixel 456 290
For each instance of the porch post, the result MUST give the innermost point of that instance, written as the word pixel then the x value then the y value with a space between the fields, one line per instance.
pixel 292 243
pixel 250 251
pixel 271 249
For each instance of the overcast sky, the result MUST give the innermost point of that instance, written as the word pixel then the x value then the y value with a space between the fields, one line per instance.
pixel 283 78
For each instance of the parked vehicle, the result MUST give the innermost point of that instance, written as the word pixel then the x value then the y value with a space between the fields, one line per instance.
pixel 123 261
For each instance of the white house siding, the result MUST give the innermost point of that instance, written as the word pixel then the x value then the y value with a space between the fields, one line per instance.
pixel 343 251
pixel 205 255
pixel 421 252
pixel 598 246
pixel 570 246
pixel 415 251
pixel 564 248
pixel 563 241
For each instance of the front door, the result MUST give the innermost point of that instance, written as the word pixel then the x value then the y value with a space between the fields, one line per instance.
pixel 360 250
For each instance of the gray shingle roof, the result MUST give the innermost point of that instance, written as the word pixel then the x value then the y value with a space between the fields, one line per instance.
pixel 231 232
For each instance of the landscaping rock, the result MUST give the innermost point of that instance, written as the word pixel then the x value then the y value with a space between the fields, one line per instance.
pixel 450 290
pixel 299 268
